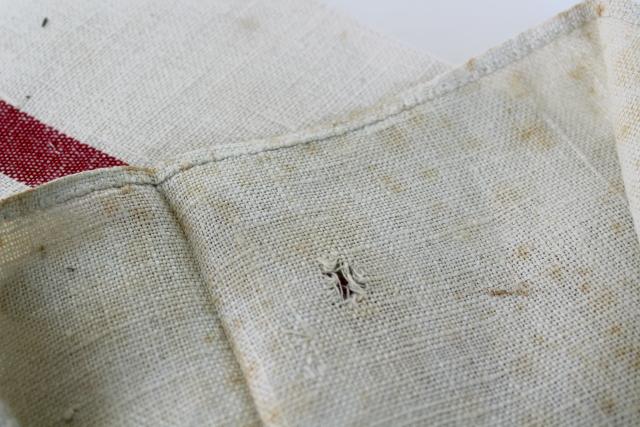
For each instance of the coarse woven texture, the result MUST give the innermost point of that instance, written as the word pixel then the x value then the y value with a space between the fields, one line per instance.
pixel 147 80
pixel 105 320
pixel 34 153
pixel 463 254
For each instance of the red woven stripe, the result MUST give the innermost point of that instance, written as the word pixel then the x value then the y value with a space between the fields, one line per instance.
pixel 34 153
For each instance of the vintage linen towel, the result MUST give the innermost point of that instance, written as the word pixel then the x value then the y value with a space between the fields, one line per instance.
pixel 463 253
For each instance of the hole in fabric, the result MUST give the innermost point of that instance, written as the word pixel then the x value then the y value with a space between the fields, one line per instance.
pixel 342 284
pixel 343 278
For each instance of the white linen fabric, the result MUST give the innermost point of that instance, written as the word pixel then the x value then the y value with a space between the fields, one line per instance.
pixel 147 80
pixel 462 253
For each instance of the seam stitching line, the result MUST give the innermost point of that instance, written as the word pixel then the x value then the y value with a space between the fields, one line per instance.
pixel 375 121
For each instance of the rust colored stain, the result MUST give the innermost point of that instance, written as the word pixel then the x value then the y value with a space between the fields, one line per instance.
pixel 522 252
pixel 522 290
pixel 615 329
pixel 578 72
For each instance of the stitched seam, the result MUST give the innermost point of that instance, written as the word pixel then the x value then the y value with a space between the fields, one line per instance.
pixel 175 170
pixel 468 78
pixel 359 127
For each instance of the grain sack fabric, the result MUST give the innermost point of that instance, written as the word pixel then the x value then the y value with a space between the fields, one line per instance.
pixel 463 253
pixel 93 84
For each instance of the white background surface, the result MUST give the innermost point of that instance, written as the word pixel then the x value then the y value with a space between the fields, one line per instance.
pixel 452 30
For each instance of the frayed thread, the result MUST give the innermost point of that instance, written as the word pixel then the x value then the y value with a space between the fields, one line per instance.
pixel 344 279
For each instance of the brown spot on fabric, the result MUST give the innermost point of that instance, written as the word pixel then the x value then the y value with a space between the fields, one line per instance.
pixel 110 207
pixel 624 131
pixel 537 135
pixel 599 9
pixel 394 137
pixel 209 338
pixel 578 72
pixel 236 378
pixel 272 416
pixel 585 288
pixel 522 290
pixel 518 85
pixel 392 184
pixel 237 324
pixel 627 121
pixel 145 170
pixel 499 292
pixel 556 273
pixel 430 174
pixel 418 119
pixel 523 365
pixel 127 189
pixel 617 228
pixel 589 34
pixel 227 210
pixel 470 64
pixel 608 406
pixel 508 196
pixel 522 252
pixel 616 187
pixel 311 148
pixel 616 329
pixel 304 248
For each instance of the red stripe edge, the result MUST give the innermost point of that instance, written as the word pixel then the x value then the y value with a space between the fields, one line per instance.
pixel 34 153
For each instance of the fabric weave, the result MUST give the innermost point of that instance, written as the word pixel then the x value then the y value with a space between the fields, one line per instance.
pixel 483 223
